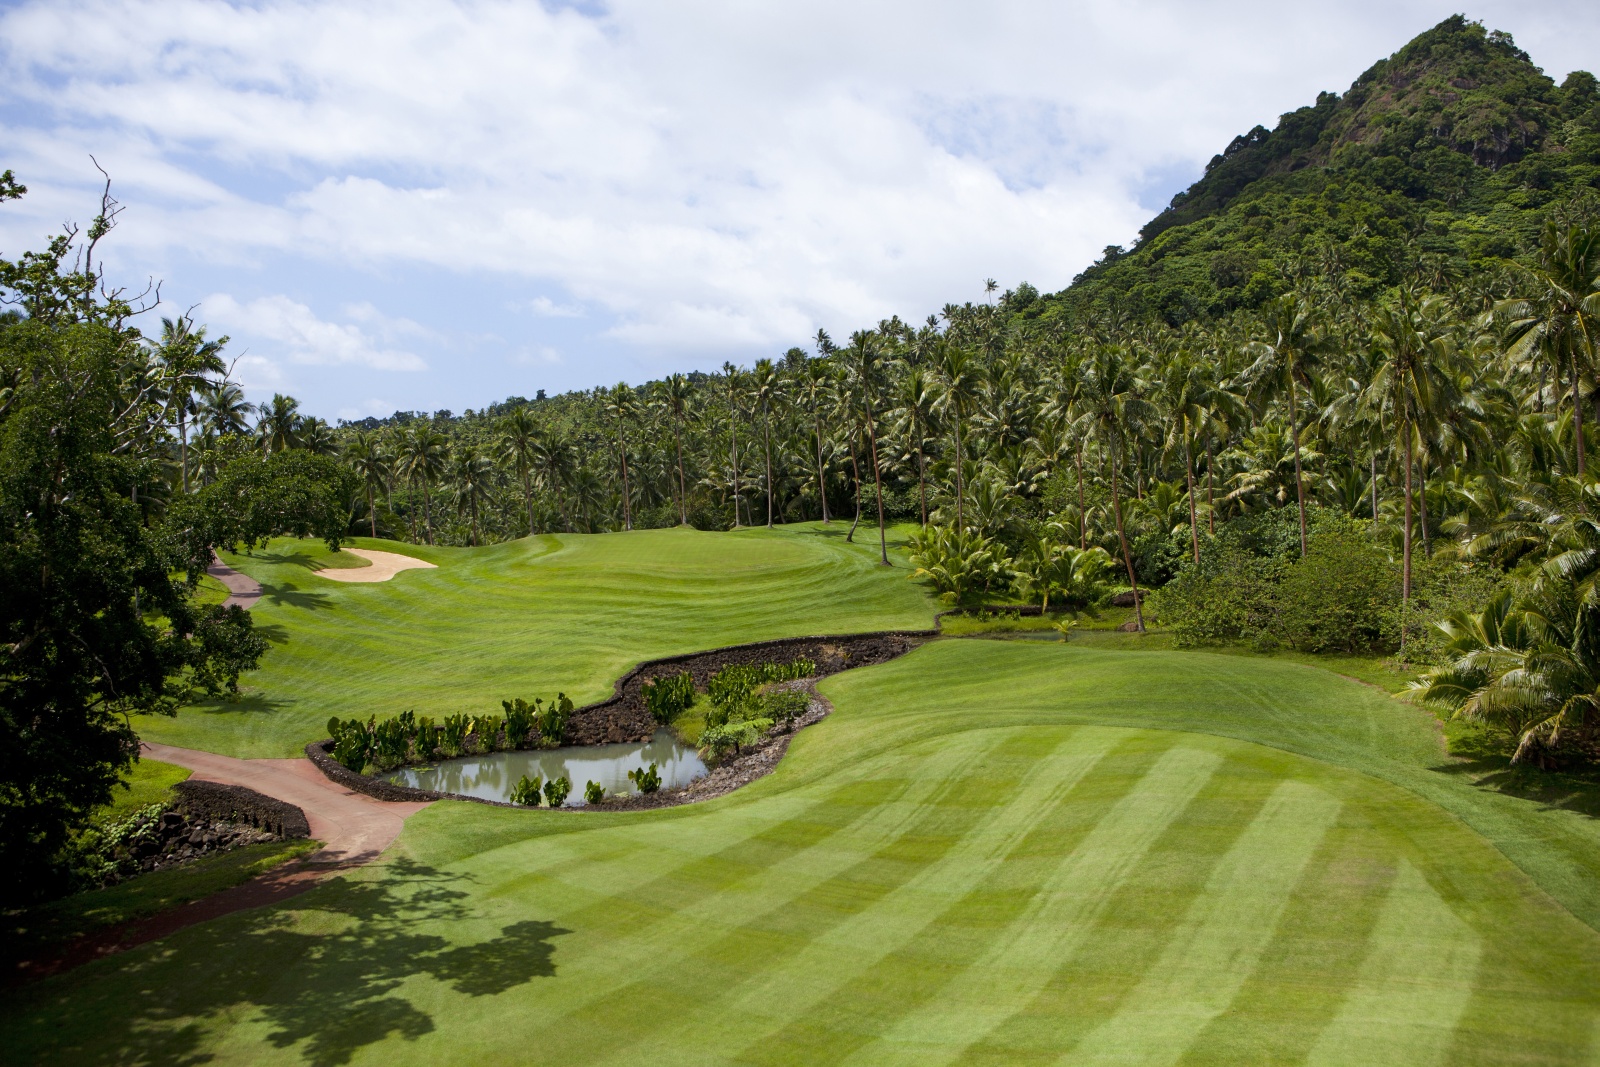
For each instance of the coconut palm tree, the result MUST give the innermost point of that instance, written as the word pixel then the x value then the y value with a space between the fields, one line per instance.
pixel 734 378
pixel 316 437
pixel 224 409
pixel 623 406
pixel 1111 403
pixel 862 359
pixel 423 453
pixel 676 395
pixel 471 476
pixel 814 386
pixel 518 443
pixel 1283 365
pixel 1557 320
pixel 364 454
pixel 764 381
pixel 960 378
pixel 279 424
pixel 187 360
pixel 913 423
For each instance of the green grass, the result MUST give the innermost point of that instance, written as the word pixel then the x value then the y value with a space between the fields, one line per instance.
pixel 40 929
pixel 993 852
pixel 149 782
pixel 528 618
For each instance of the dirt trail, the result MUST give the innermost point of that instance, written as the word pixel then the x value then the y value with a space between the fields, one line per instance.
pixel 243 590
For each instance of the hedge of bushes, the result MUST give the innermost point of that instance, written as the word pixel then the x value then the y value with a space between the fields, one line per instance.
pixel 408 738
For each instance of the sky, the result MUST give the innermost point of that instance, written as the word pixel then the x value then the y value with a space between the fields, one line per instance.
pixel 396 205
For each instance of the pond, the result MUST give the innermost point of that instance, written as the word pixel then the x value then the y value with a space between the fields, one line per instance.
pixel 492 777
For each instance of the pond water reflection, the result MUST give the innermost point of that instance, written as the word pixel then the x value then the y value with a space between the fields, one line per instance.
pixel 495 775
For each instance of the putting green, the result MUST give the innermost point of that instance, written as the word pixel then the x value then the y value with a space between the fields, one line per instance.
pixel 980 858
pixel 527 618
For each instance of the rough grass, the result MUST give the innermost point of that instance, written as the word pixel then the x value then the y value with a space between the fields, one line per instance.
pixel 525 619
pixel 993 852
pixel 44 928
pixel 149 782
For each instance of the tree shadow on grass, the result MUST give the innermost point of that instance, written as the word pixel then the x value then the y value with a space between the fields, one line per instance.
pixel 327 985
pixel 1489 767
pixel 248 703
pixel 288 595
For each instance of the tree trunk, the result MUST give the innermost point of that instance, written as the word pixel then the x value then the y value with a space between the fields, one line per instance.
pixel 427 509
pixel 1188 469
pixel 922 484
pixel 1083 516
pixel 1372 458
pixel 733 454
pixel 627 505
pixel 1122 538
pixel 822 483
pixel 1405 541
pixel 183 448
pixel 1422 504
pixel 683 494
pixel 1299 482
pixel 527 498
pixel 372 512
pixel 1211 485
pixel 877 484
pixel 855 466
pixel 1577 414
pixel 961 517
pixel 766 437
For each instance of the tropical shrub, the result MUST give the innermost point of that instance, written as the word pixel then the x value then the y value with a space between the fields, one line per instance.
pixel 520 720
pixel 785 705
pixel 647 780
pixel 669 696
pixel 526 792
pixel 453 734
pixel 733 736
pixel 594 792
pixel 958 563
pixel 1073 578
pixel 556 791
pixel 1343 596
pixel 1229 595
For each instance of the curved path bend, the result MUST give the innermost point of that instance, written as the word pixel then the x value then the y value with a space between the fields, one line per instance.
pixel 243 590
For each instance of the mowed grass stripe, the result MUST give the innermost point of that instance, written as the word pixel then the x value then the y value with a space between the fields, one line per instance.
pixel 1216 947
pixel 650 925
pixel 784 992
pixel 1020 961
pixel 1413 986
pixel 595 1010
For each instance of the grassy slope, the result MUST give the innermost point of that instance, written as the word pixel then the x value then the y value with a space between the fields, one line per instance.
pixel 526 619
pixel 980 855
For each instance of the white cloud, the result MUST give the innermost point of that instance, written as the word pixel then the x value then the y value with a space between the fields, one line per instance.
pixel 538 356
pixel 683 181
pixel 292 329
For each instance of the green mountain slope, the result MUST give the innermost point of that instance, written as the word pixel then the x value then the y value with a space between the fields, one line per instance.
pixel 1450 153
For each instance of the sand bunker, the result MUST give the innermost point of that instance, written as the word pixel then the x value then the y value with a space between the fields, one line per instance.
pixel 385 565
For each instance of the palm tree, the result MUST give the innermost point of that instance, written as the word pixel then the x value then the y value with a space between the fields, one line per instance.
pixel 422 459
pixel 623 407
pixel 279 424
pixel 913 421
pixel 519 447
pixel 1111 401
pixel 472 479
pixel 1283 363
pixel 1186 392
pixel 364 454
pixel 553 463
pixel 1557 320
pixel 959 379
pixel 186 358
pixel 731 373
pixel 862 359
pixel 223 408
pixel 317 437
pixel 1408 387
pixel 815 384
pixel 676 394
pixel 765 380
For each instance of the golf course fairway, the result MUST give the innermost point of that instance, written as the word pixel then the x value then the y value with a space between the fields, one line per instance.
pixel 528 618
pixel 992 852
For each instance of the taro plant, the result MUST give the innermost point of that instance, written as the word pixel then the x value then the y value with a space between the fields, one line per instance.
pixel 526 792
pixel 553 719
pixel 352 742
pixel 556 790
pixel 648 780
pixel 453 734
pixel 733 685
pixel 594 792
pixel 520 719
pixel 670 696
